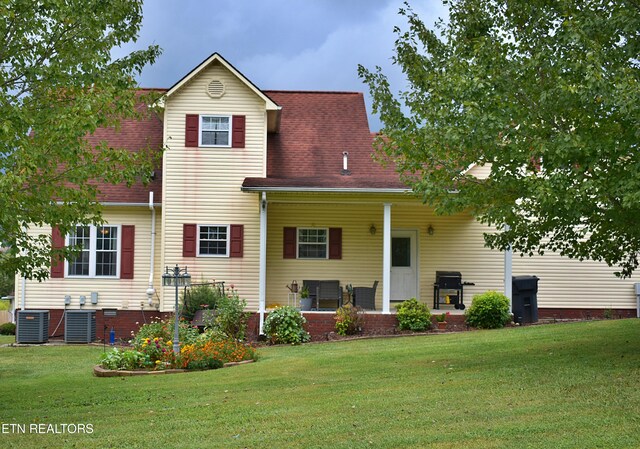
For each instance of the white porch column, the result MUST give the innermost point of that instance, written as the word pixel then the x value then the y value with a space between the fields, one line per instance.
pixel 262 276
pixel 508 260
pixel 386 260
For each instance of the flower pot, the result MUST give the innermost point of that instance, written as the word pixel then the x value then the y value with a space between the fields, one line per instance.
pixel 442 325
pixel 305 303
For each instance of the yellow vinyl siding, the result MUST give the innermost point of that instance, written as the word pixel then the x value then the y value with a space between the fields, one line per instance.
pixel 202 185
pixel 566 283
pixel 112 293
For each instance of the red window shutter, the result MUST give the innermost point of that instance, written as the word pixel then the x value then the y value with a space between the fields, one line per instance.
pixel 335 243
pixel 57 242
pixel 189 239
pixel 290 243
pixel 238 131
pixel 237 237
pixel 127 245
pixel 191 130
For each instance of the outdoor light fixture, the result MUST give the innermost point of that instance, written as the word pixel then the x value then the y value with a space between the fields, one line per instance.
pixel 372 229
pixel 180 278
pixel 430 230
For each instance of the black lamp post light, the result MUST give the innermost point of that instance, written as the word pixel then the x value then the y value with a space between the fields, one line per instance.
pixel 180 278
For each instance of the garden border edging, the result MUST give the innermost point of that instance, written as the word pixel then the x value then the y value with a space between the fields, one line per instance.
pixel 99 371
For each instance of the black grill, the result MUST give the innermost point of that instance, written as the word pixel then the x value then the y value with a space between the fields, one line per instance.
pixel 449 280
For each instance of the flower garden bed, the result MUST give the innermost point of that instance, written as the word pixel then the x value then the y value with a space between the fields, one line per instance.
pixel 151 351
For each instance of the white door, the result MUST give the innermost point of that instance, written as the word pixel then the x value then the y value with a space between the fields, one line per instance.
pixel 404 267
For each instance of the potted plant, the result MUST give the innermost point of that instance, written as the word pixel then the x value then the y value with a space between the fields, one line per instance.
pixel 442 320
pixel 305 300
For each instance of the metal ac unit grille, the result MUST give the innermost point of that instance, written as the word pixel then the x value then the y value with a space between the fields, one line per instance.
pixel 32 326
pixel 80 326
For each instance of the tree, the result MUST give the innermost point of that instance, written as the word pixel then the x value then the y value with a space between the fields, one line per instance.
pixel 546 94
pixel 58 84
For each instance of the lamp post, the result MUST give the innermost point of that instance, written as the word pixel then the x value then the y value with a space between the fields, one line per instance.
pixel 180 278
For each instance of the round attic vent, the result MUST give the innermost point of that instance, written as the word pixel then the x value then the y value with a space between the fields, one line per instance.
pixel 215 89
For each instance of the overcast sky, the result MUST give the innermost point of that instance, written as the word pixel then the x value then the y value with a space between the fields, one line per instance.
pixel 279 44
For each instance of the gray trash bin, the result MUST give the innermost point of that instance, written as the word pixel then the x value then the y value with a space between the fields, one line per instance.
pixel 525 299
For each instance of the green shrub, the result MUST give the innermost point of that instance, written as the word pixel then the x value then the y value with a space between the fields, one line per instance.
pixel 229 317
pixel 349 320
pixel 286 325
pixel 413 315
pixel 122 360
pixel 165 330
pixel 7 329
pixel 200 296
pixel 489 310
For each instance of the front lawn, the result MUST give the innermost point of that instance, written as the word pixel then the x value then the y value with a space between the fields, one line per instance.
pixel 552 386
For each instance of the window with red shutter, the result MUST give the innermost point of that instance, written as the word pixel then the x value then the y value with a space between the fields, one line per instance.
pixel 127 246
pixel 189 239
pixel 57 242
pixel 192 130
pixel 290 243
pixel 335 243
pixel 237 238
pixel 238 131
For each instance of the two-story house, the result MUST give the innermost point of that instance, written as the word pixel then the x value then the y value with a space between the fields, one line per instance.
pixel 258 188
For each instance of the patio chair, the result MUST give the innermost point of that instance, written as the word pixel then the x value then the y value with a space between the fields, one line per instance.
pixel 312 286
pixel 329 291
pixel 365 297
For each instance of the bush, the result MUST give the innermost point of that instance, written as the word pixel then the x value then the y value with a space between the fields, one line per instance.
pixel 285 325
pixel 118 359
pixel 229 317
pixel 165 330
pixel 200 296
pixel 413 315
pixel 489 310
pixel 7 329
pixel 349 320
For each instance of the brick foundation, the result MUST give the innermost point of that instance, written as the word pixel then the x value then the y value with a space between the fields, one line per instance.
pixel 319 324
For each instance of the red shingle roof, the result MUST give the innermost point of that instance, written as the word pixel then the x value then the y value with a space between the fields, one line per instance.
pixel 315 129
pixel 134 135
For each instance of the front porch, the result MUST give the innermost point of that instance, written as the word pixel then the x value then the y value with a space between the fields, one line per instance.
pixel 390 238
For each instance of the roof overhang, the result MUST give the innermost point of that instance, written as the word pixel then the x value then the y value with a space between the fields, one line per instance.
pixel 326 190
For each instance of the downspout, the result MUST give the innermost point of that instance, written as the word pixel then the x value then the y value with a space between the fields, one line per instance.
pixel 151 291
pixel 262 276
pixel 23 294
pixel 508 272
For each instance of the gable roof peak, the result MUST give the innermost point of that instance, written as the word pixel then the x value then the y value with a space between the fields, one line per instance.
pixel 216 57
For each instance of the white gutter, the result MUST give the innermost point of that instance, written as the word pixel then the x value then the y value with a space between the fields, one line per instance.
pixel 59 203
pixel 324 189
pixel 151 291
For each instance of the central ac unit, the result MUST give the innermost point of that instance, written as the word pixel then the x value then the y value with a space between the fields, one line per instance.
pixel 80 326
pixel 32 326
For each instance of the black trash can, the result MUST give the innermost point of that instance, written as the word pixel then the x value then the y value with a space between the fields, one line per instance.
pixel 525 299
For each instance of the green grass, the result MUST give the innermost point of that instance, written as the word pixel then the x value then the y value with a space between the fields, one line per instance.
pixel 554 386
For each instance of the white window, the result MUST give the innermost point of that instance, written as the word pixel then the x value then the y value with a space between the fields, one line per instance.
pixel 215 131
pixel 213 240
pixel 313 243
pixel 99 251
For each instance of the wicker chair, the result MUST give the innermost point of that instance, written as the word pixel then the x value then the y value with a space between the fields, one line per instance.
pixel 329 291
pixel 365 297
